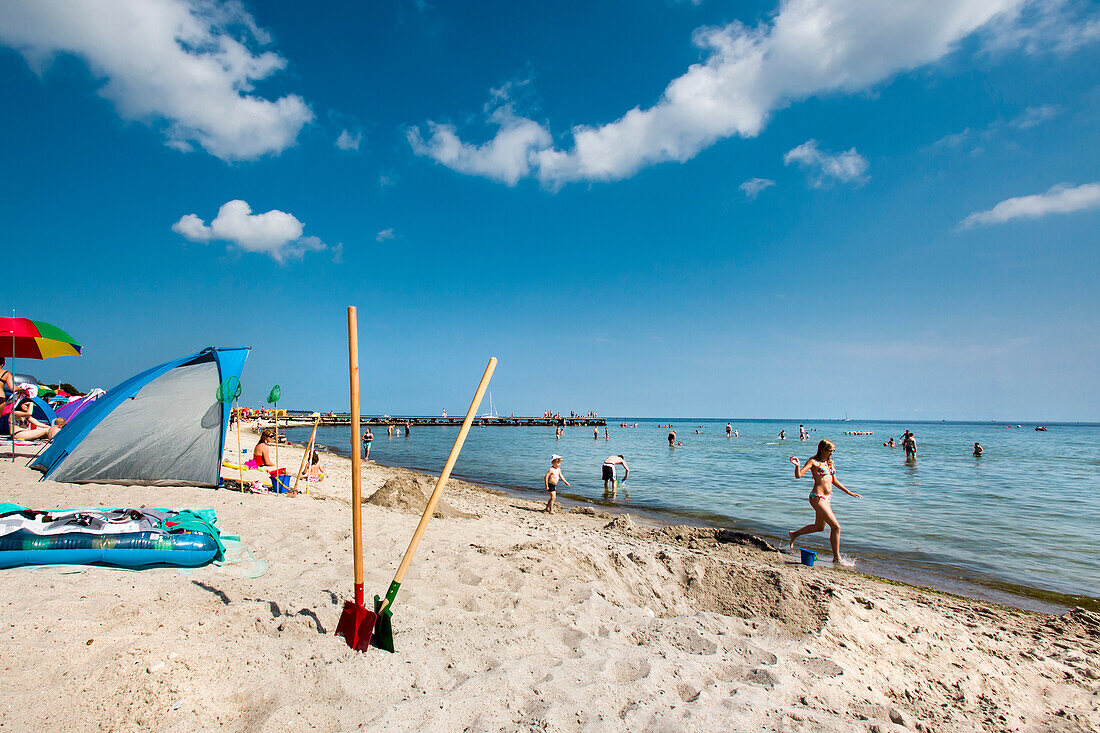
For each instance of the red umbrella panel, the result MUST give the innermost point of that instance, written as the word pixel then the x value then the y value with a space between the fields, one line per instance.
pixel 23 338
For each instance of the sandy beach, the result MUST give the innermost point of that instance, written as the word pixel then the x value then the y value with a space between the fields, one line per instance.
pixel 510 619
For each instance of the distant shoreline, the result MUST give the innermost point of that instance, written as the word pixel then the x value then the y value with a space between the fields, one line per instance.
pixel 611 419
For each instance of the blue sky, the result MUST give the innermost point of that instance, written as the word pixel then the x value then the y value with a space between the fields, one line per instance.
pixel 655 208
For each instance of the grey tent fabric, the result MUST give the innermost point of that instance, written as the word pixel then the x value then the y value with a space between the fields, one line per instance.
pixel 151 438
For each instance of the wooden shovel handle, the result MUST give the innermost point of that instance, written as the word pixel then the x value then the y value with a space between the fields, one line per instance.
pixel 356 438
pixel 451 459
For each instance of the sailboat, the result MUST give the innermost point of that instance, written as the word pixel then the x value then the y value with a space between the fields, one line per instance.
pixel 846 417
pixel 492 413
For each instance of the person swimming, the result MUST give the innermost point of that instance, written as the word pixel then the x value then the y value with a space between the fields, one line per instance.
pixel 978 450
pixel 824 475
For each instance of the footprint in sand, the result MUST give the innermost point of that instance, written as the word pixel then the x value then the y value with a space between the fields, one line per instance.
pixel 690 641
pixel 572 639
pixel 823 667
pixel 467 578
pixel 688 693
pixel 631 671
pixel 752 655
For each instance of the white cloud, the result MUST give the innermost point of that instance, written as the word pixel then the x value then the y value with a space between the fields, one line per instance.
pixel 978 139
pixel 1035 116
pixel 1045 26
pixel 753 186
pixel 824 167
pixel 176 65
pixel 508 157
pixel 1061 199
pixel 809 47
pixel 384 235
pixel 349 141
pixel 274 233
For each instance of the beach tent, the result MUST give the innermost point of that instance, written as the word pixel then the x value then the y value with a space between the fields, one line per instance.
pixel 76 405
pixel 162 427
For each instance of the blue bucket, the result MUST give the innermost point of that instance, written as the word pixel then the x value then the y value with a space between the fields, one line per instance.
pixel 281 484
pixel 808 557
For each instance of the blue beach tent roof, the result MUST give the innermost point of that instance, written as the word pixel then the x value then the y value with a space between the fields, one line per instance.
pixel 164 426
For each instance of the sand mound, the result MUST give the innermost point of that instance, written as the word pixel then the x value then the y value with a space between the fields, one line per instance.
pixel 729 536
pixel 622 523
pixel 1077 622
pixel 672 579
pixel 409 493
pixel 590 512
pixel 740 590
pixel 699 537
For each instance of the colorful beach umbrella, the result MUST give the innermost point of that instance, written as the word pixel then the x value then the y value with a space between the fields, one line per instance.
pixel 23 338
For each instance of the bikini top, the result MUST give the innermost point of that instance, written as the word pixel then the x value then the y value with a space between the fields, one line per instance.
pixel 822 471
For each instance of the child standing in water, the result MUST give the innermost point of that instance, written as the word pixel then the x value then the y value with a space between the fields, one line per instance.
pixel 551 479
pixel 824 474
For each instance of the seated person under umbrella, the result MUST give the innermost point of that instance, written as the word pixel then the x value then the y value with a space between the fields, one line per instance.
pixel 27 428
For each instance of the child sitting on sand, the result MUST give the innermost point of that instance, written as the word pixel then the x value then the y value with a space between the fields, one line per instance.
pixel 551 479
pixel 316 469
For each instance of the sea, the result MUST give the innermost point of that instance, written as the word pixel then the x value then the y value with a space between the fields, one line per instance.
pixel 1020 524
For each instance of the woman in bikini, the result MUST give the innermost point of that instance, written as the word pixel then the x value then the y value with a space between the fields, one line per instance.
pixel 824 473
pixel 261 454
pixel 7 379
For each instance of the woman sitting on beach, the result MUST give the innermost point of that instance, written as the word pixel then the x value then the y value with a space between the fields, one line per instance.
pixel 824 474
pixel 261 454
pixel 31 429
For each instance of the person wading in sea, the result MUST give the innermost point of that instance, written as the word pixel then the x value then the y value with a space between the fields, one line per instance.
pixel 909 443
pixel 608 473
pixel 824 473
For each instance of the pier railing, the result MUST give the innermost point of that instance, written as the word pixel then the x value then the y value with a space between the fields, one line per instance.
pixel 301 417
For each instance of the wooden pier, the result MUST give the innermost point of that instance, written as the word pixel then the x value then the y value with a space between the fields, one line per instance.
pixel 299 417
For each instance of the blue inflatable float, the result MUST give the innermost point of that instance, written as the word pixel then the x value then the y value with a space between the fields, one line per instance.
pixel 129 538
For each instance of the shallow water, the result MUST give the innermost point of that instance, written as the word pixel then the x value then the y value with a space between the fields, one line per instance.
pixel 1024 513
